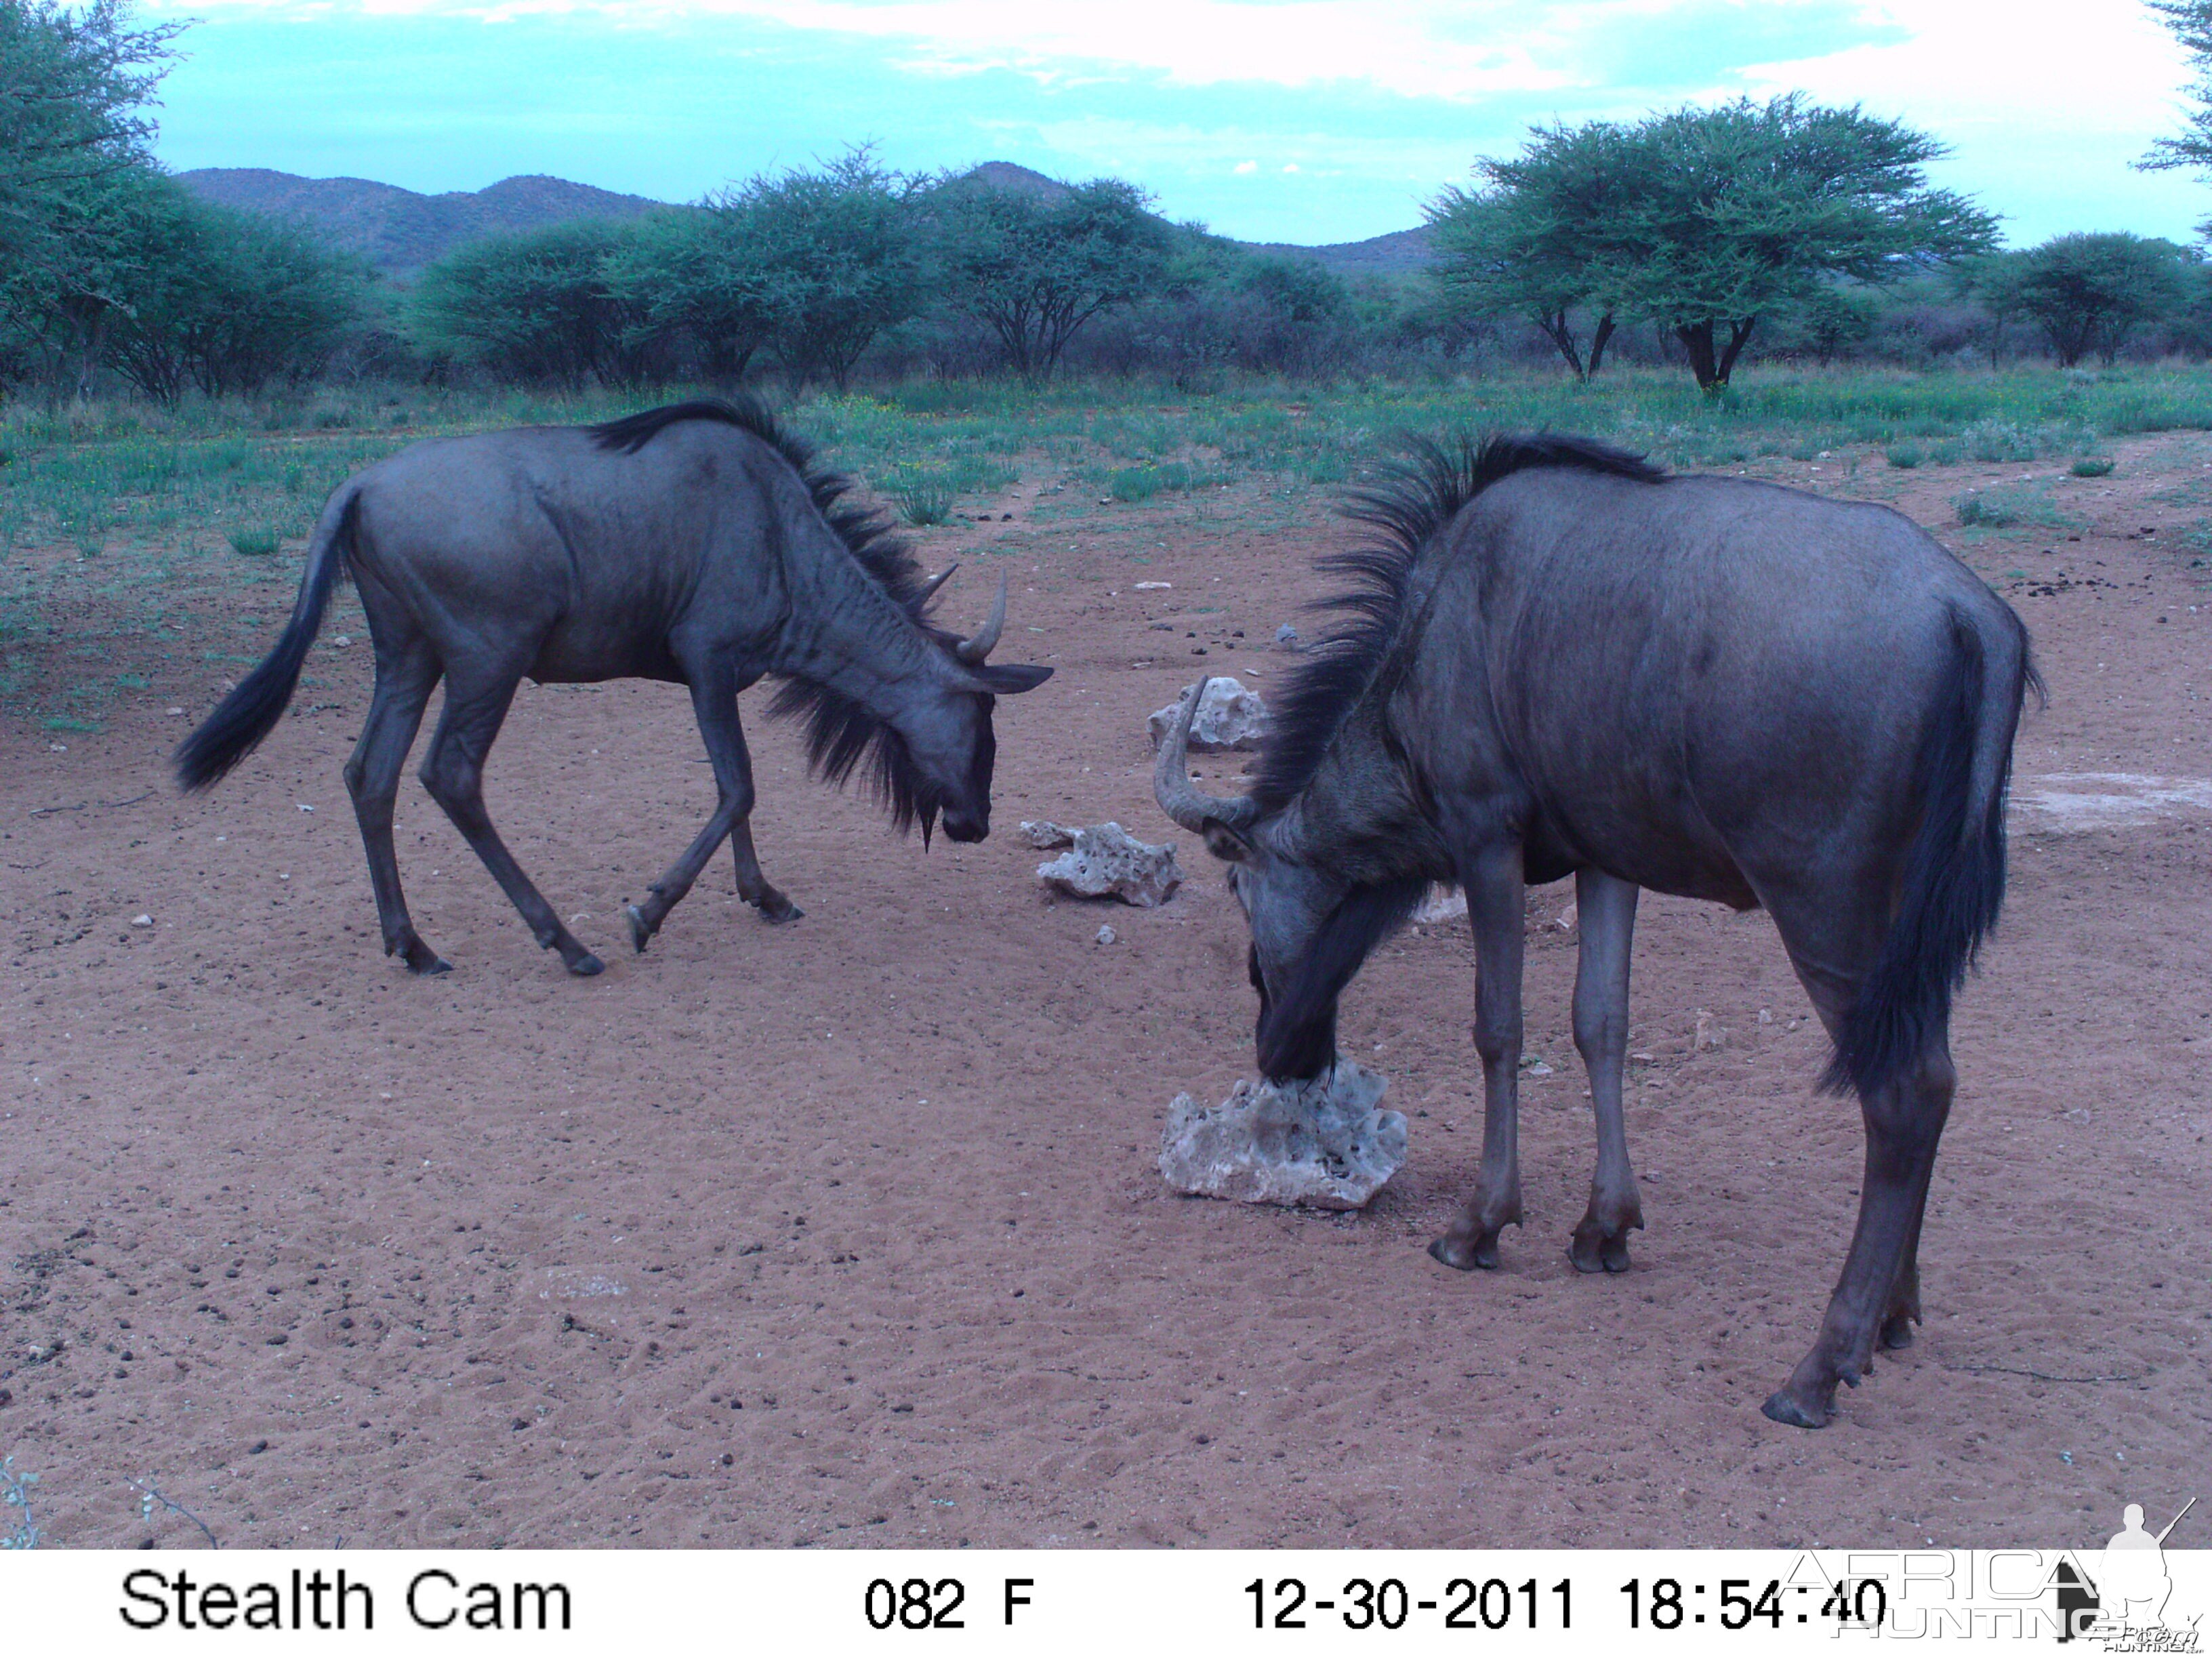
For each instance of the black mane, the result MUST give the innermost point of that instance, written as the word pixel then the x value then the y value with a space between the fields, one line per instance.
pixel 1421 494
pixel 840 734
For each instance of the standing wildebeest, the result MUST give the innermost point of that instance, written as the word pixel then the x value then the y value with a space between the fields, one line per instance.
pixel 696 544
pixel 1563 661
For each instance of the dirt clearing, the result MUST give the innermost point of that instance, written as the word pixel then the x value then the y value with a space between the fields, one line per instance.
pixel 849 1233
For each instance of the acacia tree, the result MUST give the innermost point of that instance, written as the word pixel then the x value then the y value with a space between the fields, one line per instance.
pixel 2191 23
pixel 74 140
pixel 2090 291
pixel 833 257
pixel 535 307
pixel 223 302
pixel 698 274
pixel 1034 268
pixel 1739 209
pixel 1705 220
pixel 1531 240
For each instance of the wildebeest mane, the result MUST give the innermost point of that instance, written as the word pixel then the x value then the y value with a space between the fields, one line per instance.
pixel 1420 493
pixel 841 736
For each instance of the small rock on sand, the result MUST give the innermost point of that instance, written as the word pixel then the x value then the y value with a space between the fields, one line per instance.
pixel 1232 717
pixel 1441 904
pixel 1323 1144
pixel 1709 1033
pixel 1044 834
pixel 1106 935
pixel 1104 860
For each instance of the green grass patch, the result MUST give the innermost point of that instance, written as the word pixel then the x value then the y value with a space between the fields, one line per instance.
pixel 2092 466
pixel 2010 506
pixel 923 498
pixel 256 543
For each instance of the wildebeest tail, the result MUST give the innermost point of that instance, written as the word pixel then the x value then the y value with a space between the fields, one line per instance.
pixel 1954 871
pixel 252 707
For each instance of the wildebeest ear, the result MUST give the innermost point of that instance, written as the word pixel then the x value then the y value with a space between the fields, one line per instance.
pixel 1007 678
pixel 1225 843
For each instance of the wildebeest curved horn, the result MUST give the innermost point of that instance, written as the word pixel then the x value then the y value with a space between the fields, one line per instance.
pixel 1179 798
pixel 929 588
pixel 978 646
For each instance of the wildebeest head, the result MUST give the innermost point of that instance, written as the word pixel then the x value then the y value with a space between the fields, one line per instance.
pixel 949 740
pixel 1312 925
pixel 927 751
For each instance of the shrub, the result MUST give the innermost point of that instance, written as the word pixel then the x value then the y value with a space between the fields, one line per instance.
pixel 2091 467
pixel 254 543
pixel 1904 455
pixel 923 498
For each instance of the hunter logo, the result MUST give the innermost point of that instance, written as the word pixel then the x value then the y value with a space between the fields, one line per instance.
pixel 2122 1608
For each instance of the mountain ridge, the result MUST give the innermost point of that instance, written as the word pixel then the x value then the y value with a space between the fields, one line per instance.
pixel 400 231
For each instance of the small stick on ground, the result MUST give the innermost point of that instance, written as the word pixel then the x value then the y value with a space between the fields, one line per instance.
pixel 150 1495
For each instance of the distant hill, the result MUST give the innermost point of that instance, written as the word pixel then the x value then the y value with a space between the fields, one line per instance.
pixel 1398 253
pixel 398 231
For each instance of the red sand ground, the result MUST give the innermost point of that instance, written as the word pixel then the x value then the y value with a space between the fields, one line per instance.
pixel 850 1234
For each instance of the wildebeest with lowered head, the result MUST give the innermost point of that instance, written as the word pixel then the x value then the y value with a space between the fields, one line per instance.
pixel 697 543
pixel 1562 661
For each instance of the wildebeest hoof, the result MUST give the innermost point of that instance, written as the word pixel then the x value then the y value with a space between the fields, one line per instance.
pixel 1465 1253
pixel 586 965
pixel 1594 1250
pixel 419 957
pixel 778 910
pixel 1785 1406
pixel 641 930
pixel 1897 1331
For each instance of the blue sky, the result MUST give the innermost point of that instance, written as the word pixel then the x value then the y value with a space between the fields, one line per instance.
pixel 1289 120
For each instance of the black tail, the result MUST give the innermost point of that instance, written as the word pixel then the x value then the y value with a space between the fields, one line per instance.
pixel 1954 873
pixel 242 719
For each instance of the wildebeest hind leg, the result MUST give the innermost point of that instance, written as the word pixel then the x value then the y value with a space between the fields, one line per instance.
pixel 714 700
pixel 1904 1310
pixel 1495 904
pixel 454 773
pixel 404 682
pixel 1904 1123
pixel 1605 909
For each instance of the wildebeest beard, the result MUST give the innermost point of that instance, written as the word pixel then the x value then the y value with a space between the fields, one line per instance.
pixel 843 737
pixel 1297 1034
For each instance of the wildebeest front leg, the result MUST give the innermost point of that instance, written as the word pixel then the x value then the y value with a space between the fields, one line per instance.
pixel 1605 910
pixel 454 773
pixel 714 700
pixel 1495 904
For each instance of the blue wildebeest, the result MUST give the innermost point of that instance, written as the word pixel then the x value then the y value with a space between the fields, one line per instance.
pixel 696 544
pixel 1560 661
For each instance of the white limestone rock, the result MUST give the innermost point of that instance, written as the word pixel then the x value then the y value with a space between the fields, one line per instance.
pixel 1440 905
pixel 1044 834
pixel 1106 861
pixel 1323 1144
pixel 1232 717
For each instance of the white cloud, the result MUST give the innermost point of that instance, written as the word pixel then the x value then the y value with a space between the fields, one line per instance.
pixel 1455 49
pixel 1246 167
pixel 1971 63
